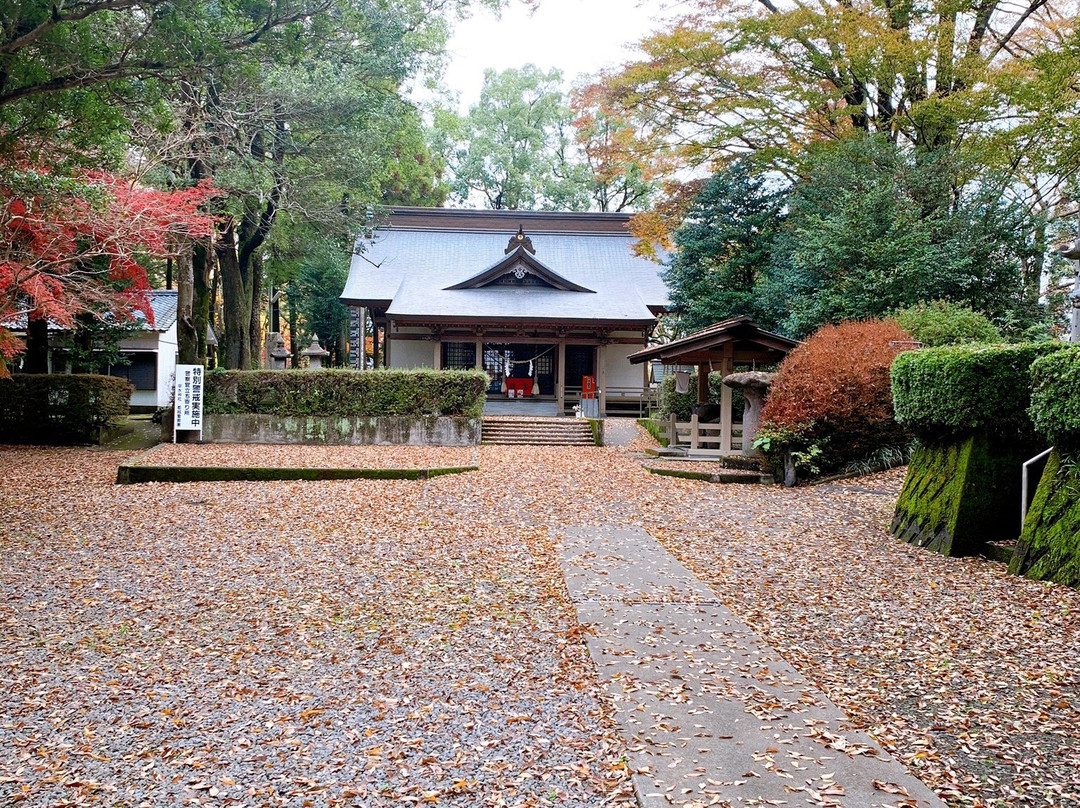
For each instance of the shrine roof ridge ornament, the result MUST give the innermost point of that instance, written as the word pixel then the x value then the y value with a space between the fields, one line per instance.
pixel 519 239
pixel 519 260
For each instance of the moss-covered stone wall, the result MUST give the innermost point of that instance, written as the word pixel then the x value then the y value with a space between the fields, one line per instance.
pixel 959 495
pixel 1049 547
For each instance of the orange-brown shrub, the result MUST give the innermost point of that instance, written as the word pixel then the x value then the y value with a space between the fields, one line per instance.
pixel 832 396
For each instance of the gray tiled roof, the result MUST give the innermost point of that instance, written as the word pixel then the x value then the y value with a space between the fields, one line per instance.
pixel 163 302
pixel 412 268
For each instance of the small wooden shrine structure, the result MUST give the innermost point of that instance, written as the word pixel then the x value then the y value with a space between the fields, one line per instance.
pixel 738 342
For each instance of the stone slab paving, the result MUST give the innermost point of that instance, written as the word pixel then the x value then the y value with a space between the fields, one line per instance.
pixel 712 715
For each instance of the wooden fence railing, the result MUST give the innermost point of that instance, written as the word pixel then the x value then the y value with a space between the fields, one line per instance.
pixel 703 439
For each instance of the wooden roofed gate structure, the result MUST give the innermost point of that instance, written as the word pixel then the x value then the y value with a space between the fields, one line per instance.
pixel 724 347
pixel 539 300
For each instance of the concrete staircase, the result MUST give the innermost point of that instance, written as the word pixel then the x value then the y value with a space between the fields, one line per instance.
pixel 511 431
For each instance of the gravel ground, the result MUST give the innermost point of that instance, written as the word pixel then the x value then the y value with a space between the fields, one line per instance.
pixel 376 642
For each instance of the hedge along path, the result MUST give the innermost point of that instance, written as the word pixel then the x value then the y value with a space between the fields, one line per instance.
pixel 1049 547
pixel 188 463
pixel 968 405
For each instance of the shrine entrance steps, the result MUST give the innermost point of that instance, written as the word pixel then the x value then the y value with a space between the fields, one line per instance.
pixel 516 431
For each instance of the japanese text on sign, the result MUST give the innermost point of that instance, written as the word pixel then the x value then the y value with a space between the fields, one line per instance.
pixel 188 405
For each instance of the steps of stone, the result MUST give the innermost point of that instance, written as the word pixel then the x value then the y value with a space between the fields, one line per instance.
pixel 538 432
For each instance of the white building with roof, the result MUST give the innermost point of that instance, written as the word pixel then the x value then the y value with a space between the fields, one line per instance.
pixel 151 354
pixel 539 300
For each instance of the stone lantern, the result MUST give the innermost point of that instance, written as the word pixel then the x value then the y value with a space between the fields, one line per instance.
pixel 315 353
pixel 755 386
pixel 277 355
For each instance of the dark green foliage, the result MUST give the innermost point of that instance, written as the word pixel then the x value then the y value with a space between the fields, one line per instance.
pixel 682 404
pixel 1049 547
pixel 959 495
pixel 872 228
pixel 954 390
pixel 321 277
pixel 60 409
pixel 723 245
pixel 943 323
pixel 348 393
pixel 134 473
pixel 1055 397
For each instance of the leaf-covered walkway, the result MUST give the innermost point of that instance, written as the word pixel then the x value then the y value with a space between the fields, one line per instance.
pixel 385 642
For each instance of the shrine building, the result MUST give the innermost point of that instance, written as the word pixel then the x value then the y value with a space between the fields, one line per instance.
pixel 542 301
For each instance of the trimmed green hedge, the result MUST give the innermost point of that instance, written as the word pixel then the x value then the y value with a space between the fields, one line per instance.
pixel 347 392
pixel 60 409
pixel 954 390
pixel 132 474
pixel 1055 397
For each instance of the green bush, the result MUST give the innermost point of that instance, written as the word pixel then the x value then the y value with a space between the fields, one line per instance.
pixel 348 392
pixel 682 404
pixel 60 409
pixel 1055 397
pixel 944 323
pixel 954 390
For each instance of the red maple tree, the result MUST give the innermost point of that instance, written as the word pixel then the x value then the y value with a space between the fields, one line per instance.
pixel 74 244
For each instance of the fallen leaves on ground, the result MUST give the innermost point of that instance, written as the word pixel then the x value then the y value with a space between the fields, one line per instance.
pixel 290 456
pixel 385 642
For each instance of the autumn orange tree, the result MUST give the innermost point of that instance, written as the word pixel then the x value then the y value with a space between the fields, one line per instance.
pixel 831 402
pixel 987 77
pixel 77 244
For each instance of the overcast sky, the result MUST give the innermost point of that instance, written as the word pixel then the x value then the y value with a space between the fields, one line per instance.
pixel 576 36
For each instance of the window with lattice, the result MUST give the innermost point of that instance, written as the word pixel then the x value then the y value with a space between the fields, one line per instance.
pixel 459 355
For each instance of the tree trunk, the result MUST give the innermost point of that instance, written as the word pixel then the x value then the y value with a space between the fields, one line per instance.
pixel 255 325
pixel 374 342
pixel 341 352
pixel 187 334
pixel 202 261
pixel 1032 267
pixel 37 345
pixel 236 303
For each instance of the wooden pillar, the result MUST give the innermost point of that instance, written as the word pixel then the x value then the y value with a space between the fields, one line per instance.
pixel 362 348
pixel 560 378
pixel 479 364
pixel 375 343
pixel 601 377
pixel 436 361
pixel 727 365
pixel 703 384
pixel 695 435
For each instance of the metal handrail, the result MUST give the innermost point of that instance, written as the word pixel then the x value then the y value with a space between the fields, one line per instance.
pixel 1024 485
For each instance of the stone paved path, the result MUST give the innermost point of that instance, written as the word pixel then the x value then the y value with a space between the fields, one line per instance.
pixel 711 715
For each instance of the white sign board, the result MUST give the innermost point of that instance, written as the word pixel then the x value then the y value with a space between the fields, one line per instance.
pixel 188 400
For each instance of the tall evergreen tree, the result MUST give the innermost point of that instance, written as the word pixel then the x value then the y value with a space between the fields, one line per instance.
pixel 724 247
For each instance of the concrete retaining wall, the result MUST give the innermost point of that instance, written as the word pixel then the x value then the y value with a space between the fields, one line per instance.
pixel 383 430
